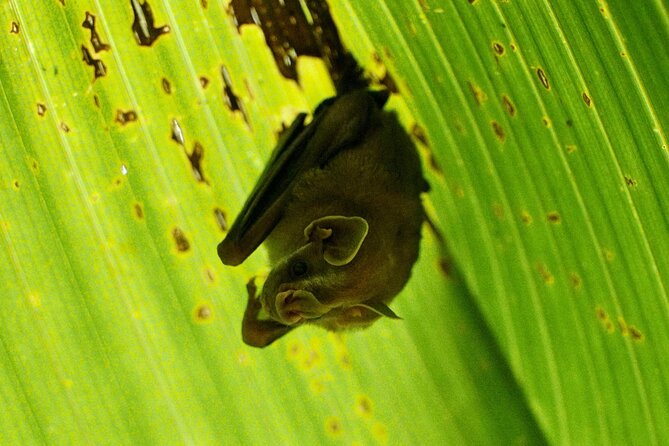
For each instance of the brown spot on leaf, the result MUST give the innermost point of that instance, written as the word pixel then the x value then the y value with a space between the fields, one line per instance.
pixel 138 211
pixel 64 127
pixel 364 406
pixel 99 68
pixel 204 81
pixel 631 182
pixel 231 99
pixel 575 280
pixel 333 426
pixel 418 132
pixel 605 320
pixel 498 48
pixel 124 117
pixel 195 158
pixel 181 242
pixel 499 131
pixel 509 106
pixel 143 26
pixel 89 23
pixel 220 219
pixel 601 314
pixel 635 333
pixel 434 164
pixel 34 166
pixel 389 82
pixel 14 28
pixel 545 274
pixel 203 313
pixel 586 99
pixel 543 78
pixel 167 86
pixel 41 109
pixel 445 266
pixel 209 275
pixel 554 217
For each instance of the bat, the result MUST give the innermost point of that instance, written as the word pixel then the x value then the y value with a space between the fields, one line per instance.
pixel 338 208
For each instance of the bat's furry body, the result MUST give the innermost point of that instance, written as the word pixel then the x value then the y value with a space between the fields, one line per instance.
pixel 339 206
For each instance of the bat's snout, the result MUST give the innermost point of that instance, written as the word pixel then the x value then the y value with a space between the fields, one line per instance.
pixel 294 306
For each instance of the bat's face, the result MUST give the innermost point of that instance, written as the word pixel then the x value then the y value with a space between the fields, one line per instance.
pixel 315 284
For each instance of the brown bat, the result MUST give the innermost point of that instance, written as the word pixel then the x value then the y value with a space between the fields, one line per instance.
pixel 338 207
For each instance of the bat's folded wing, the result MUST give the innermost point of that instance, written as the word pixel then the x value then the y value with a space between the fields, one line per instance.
pixel 337 123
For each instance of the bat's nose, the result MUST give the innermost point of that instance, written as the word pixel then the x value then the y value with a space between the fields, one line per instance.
pixel 287 314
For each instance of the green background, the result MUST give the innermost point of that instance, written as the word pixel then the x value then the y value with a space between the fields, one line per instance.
pixel 544 321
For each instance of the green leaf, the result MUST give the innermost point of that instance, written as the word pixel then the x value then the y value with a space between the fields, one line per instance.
pixel 545 319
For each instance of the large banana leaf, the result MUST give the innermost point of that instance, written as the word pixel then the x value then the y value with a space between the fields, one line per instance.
pixel 545 319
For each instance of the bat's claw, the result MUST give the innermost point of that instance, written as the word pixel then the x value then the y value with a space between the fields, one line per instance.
pixel 252 288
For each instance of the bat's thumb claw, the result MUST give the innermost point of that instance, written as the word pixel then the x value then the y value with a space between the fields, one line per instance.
pixel 230 253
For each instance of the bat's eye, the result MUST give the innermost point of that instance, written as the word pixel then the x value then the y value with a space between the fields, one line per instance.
pixel 299 268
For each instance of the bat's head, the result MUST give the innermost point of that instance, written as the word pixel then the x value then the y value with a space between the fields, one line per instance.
pixel 323 282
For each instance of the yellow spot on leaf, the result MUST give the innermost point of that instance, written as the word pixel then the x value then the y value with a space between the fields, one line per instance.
pixel 333 426
pixel 318 385
pixel 605 320
pixel 203 313
pixel 294 349
pixel 364 406
pixel 623 326
pixel 34 300
pixel 380 432
pixel 575 280
pixel 545 274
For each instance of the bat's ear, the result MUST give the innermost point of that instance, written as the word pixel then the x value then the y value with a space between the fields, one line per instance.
pixel 342 237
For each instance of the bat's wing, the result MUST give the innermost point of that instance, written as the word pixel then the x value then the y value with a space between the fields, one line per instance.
pixel 338 123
